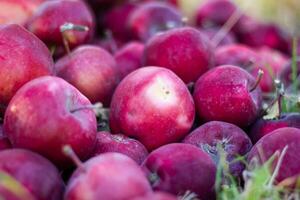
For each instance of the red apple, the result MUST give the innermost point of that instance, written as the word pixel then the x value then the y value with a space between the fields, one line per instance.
pixel 23 57
pixel 157 196
pixel 17 11
pixel 92 70
pixel 177 168
pixel 46 114
pixel 228 93
pixel 233 140
pixel 35 174
pixel 110 176
pixel 153 17
pixel 277 141
pixel 51 15
pixel 129 58
pixel 152 105
pixel 263 127
pixel 214 13
pixel 177 50
pixel 106 142
pixel 256 34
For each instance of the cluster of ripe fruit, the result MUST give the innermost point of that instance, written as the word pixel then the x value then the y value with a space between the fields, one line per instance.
pixel 176 92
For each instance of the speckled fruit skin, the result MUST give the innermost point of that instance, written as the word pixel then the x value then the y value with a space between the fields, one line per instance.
pixel 157 196
pixel 23 57
pixel 39 118
pixel 231 138
pixel 263 127
pixel 276 141
pixel 17 11
pixel 110 176
pixel 107 142
pixel 152 105
pixel 177 167
pixel 177 49
pixel 4 142
pixel 214 13
pixel 129 58
pixel 92 70
pixel 38 175
pixel 223 94
pixel 151 18
pixel 45 22
pixel 270 61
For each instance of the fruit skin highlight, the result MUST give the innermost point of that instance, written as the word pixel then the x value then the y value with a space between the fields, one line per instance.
pixel 224 94
pixel 42 117
pixel 92 70
pixel 152 105
pixel 112 176
pixel 177 49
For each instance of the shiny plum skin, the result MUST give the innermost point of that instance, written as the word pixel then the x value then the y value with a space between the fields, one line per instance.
pixel 92 70
pixel 177 49
pixel 38 175
pixel 23 57
pixel 110 176
pixel 17 11
pixel 177 168
pixel 116 21
pixel 277 141
pixel 107 142
pixel 263 127
pixel 151 18
pixel 157 196
pixel 40 118
pixel 4 142
pixel 231 138
pixel 45 23
pixel 129 58
pixel 152 105
pixel 223 94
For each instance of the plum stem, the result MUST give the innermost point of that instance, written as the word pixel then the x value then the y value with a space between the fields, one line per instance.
pixel 278 165
pixel 70 27
pixel 258 79
pixel 280 93
pixel 69 152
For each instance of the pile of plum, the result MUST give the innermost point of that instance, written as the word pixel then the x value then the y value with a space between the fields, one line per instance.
pixel 131 100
